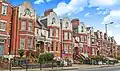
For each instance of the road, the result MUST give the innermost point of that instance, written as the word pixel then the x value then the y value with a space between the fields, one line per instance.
pixel 98 69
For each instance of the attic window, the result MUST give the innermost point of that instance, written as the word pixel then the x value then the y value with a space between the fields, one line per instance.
pixel 82 29
pixel 66 25
pixel 53 20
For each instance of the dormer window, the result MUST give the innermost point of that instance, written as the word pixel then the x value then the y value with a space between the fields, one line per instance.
pixel 53 20
pixel 66 25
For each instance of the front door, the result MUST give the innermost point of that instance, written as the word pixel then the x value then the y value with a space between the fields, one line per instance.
pixel 1 49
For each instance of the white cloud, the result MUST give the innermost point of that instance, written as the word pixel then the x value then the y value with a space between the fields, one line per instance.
pixel 48 0
pixel 102 2
pixel 103 12
pixel 117 38
pixel 97 8
pixel 41 1
pixel 73 7
pixel 114 16
pixel 110 33
pixel 117 25
pixel 109 4
pixel 87 14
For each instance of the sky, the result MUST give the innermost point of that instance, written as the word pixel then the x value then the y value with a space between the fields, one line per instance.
pixel 94 13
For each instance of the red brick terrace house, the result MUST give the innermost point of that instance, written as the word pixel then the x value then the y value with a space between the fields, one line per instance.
pixel 53 25
pixel 79 40
pixel 92 43
pixel 66 34
pixel 23 23
pixel 5 27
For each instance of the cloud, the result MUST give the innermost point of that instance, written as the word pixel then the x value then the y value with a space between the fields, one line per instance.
pixel 41 1
pixel 97 8
pixel 87 14
pixel 117 38
pixel 73 7
pixel 109 4
pixel 103 12
pixel 114 16
pixel 117 25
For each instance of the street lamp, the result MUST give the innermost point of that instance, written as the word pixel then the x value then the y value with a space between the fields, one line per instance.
pixel 106 26
pixel 106 32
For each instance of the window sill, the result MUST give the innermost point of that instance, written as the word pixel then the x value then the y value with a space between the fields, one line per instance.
pixel 2 30
pixel 4 14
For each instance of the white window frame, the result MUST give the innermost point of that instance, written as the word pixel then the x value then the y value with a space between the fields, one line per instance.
pixel 57 32
pixel 29 42
pixel 30 26
pixel 22 43
pixel 82 38
pixel 66 36
pixel 23 25
pixel 66 48
pixel 3 26
pixel 70 36
pixel 2 11
pixel 51 32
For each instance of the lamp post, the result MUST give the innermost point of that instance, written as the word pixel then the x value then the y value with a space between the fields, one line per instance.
pixel 107 25
pixel 106 32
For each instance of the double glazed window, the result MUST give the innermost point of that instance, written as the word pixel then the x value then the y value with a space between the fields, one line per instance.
pixel 2 25
pixel 22 43
pixel 4 10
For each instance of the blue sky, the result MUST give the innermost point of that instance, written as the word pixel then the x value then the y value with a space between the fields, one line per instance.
pixel 94 13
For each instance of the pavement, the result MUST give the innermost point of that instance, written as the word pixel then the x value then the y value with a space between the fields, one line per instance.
pixel 74 67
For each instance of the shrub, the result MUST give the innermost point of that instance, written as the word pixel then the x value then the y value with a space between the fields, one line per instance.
pixel 21 52
pixel 45 57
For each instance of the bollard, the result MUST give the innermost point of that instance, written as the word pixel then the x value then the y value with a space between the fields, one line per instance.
pixel 10 66
pixel 26 66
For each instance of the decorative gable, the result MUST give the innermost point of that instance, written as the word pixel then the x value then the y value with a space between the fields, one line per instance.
pixel 26 11
pixel 66 25
pixel 53 20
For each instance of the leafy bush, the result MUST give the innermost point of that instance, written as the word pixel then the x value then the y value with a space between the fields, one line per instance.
pixel 21 52
pixel 118 58
pixel 45 57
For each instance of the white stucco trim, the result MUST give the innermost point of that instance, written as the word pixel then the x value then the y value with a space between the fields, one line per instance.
pixel 5 4
pixel 3 21
pixel 26 34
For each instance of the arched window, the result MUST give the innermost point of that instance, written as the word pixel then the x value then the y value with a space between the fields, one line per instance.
pixel 66 25
pixel 53 20
pixel 82 29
